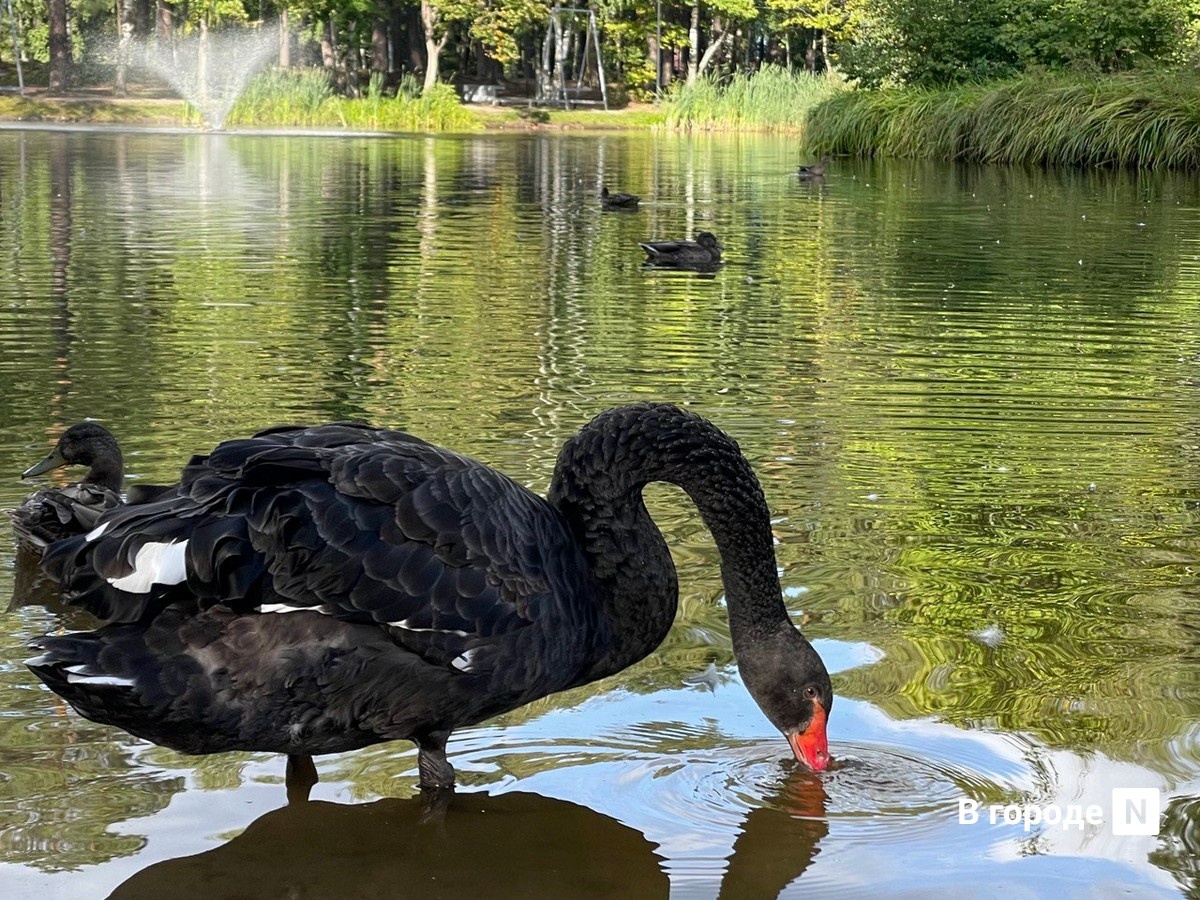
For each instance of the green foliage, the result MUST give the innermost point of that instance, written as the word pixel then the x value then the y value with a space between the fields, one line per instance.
pixel 278 97
pixel 1130 120
pixel 933 42
pixel 928 42
pixel 499 25
pixel 215 12
pixel 1058 34
pixel 306 98
pixel 774 98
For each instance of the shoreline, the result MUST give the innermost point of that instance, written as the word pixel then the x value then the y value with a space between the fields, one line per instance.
pixel 144 108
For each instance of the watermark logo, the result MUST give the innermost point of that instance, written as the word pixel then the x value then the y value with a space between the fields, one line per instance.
pixel 1133 811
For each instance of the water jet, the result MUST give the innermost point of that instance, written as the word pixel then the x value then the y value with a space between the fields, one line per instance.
pixel 210 69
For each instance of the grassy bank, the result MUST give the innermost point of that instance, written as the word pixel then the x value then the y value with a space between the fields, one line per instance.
pixel 99 108
pixel 305 98
pixel 1145 120
pixel 773 99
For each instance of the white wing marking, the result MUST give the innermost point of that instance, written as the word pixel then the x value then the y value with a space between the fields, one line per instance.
pixel 96 532
pixel 154 564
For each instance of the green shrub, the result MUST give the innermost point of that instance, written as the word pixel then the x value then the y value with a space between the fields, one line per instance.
pixel 1140 119
pixel 773 98
pixel 305 98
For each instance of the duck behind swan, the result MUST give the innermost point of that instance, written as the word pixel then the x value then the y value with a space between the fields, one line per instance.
pixel 53 513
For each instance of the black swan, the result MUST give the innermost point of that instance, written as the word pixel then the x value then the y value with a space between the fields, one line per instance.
pixel 316 590
pixel 54 513
pixel 815 170
pixel 703 252
pixel 618 202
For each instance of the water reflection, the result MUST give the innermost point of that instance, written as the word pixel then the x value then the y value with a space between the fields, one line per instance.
pixel 778 841
pixel 31 586
pixel 970 393
pixel 509 845
pixel 516 845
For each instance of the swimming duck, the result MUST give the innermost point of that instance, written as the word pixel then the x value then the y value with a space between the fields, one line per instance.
pixel 319 589
pixel 618 202
pixel 816 170
pixel 53 513
pixel 704 252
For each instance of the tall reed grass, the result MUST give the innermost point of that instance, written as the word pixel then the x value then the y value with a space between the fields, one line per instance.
pixel 305 98
pixel 772 99
pixel 1140 119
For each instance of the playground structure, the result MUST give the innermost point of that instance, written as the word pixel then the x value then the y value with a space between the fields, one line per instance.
pixel 553 86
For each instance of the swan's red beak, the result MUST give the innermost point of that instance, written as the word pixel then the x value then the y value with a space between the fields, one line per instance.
pixel 811 746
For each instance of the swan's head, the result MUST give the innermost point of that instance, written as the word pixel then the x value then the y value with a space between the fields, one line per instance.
pixel 788 680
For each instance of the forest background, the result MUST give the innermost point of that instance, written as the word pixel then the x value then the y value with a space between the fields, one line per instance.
pixel 906 77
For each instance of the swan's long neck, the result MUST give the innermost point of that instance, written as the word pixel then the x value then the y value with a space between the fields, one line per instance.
pixel 598 487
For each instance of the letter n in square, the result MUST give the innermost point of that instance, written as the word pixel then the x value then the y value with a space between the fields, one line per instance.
pixel 1135 810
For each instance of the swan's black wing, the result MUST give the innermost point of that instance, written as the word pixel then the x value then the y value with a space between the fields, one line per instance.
pixel 453 559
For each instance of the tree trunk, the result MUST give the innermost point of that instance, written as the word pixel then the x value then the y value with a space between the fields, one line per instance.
pixel 720 38
pixel 560 57
pixel 379 40
pixel 414 35
pixel 141 17
pixel 694 44
pixel 285 40
pixel 60 46
pixel 663 70
pixel 164 25
pixel 433 44
pixel 328 56
pixel 544 87
pixel 124 46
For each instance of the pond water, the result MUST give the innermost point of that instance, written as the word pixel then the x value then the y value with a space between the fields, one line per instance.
pixel 972 396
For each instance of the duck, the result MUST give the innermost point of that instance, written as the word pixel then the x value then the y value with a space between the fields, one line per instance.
pixel 318 589
pixel 815 170
pixel 704 252
pixel 54 513
pixel 618 202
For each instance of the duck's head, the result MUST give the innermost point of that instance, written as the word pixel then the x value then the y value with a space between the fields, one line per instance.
pixel 788 680
pixel 84 444
pixel 708 241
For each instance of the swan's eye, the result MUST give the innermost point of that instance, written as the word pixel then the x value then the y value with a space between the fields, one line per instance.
pixel 811 693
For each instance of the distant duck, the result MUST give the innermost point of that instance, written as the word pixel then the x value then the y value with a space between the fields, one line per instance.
pixel 704 252
pixel 618 202
pixel 317 590
pixel 816 170
pixel 53 513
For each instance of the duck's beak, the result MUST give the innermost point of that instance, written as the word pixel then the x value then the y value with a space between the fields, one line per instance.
pixel 53 460
pixel 811 746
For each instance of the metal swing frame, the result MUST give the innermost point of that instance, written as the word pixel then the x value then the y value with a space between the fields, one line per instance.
pixel 557 89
